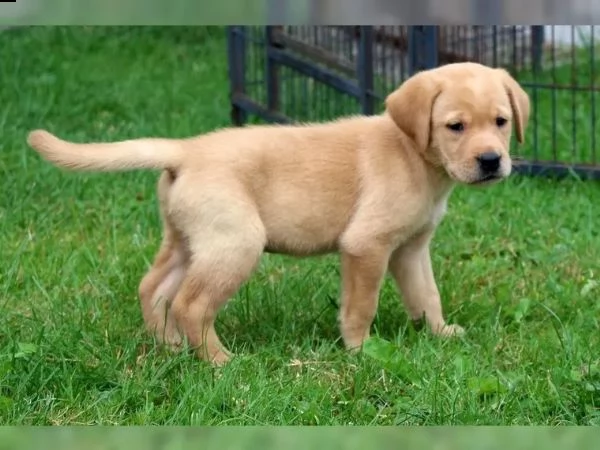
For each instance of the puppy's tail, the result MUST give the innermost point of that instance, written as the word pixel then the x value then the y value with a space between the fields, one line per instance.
pixel 147 153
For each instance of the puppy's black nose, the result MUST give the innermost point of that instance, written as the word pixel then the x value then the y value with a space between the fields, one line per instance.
pixel 489 162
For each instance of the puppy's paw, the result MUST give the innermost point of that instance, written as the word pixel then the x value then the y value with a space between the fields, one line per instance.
pixel 355 350
pixel 173 346
pixel 170 338
pixel 446 330
pixel 221 358
pixel 353 343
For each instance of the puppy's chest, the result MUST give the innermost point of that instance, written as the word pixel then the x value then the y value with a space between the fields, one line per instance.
pixel 431 217
pixel 426 220
pixel 438 212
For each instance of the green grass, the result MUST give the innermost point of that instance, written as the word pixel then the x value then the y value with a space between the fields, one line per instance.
pixel 517 265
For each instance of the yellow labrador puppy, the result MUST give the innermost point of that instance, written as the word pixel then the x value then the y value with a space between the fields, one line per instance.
pixel 371 188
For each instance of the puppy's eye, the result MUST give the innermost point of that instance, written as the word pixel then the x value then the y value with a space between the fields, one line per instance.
pixel 457 126
pixel 500 122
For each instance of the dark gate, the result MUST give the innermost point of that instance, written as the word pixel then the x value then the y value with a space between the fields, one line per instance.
pixel 314 73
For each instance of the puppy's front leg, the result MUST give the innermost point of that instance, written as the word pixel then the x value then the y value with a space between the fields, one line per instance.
pixel 361 280
pixel 410 266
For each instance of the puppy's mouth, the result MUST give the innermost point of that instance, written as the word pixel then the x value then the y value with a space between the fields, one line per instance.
pixel 483 180
pixel 486 179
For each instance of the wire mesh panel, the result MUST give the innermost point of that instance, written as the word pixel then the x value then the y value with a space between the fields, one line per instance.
pixel 564 91
pixel 315 73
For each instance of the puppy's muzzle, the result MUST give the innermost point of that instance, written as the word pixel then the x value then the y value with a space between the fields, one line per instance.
pixel 489 163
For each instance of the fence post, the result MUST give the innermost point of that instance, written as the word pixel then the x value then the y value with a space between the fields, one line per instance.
pixel 537 46
pixel 364 70
pixel 236 54
pixel 422 48
pixel 271 72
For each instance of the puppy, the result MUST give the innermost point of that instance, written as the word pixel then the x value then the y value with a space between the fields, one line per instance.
pixel 372 189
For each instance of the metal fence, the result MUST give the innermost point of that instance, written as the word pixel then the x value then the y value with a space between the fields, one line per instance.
pixel 313 73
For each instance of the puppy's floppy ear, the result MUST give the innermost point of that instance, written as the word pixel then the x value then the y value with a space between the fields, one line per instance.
pixel 410 106
pixel 519 103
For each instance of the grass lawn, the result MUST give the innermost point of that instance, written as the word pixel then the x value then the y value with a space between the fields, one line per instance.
pixel 517 265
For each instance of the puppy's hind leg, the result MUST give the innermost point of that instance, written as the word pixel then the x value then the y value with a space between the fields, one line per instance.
pixel 226 240
pixel 157 290
pixel 161 283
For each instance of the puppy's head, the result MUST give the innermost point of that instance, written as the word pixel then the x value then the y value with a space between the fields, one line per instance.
pixel 461 117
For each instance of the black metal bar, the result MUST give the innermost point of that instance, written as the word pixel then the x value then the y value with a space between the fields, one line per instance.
pixel 593 97
pixel 422 48
pixel 244 102
pixel 271 72
pixel 317 73
pixel 236 53
pixel 495 45
pixel 537 46
pixel 364 70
